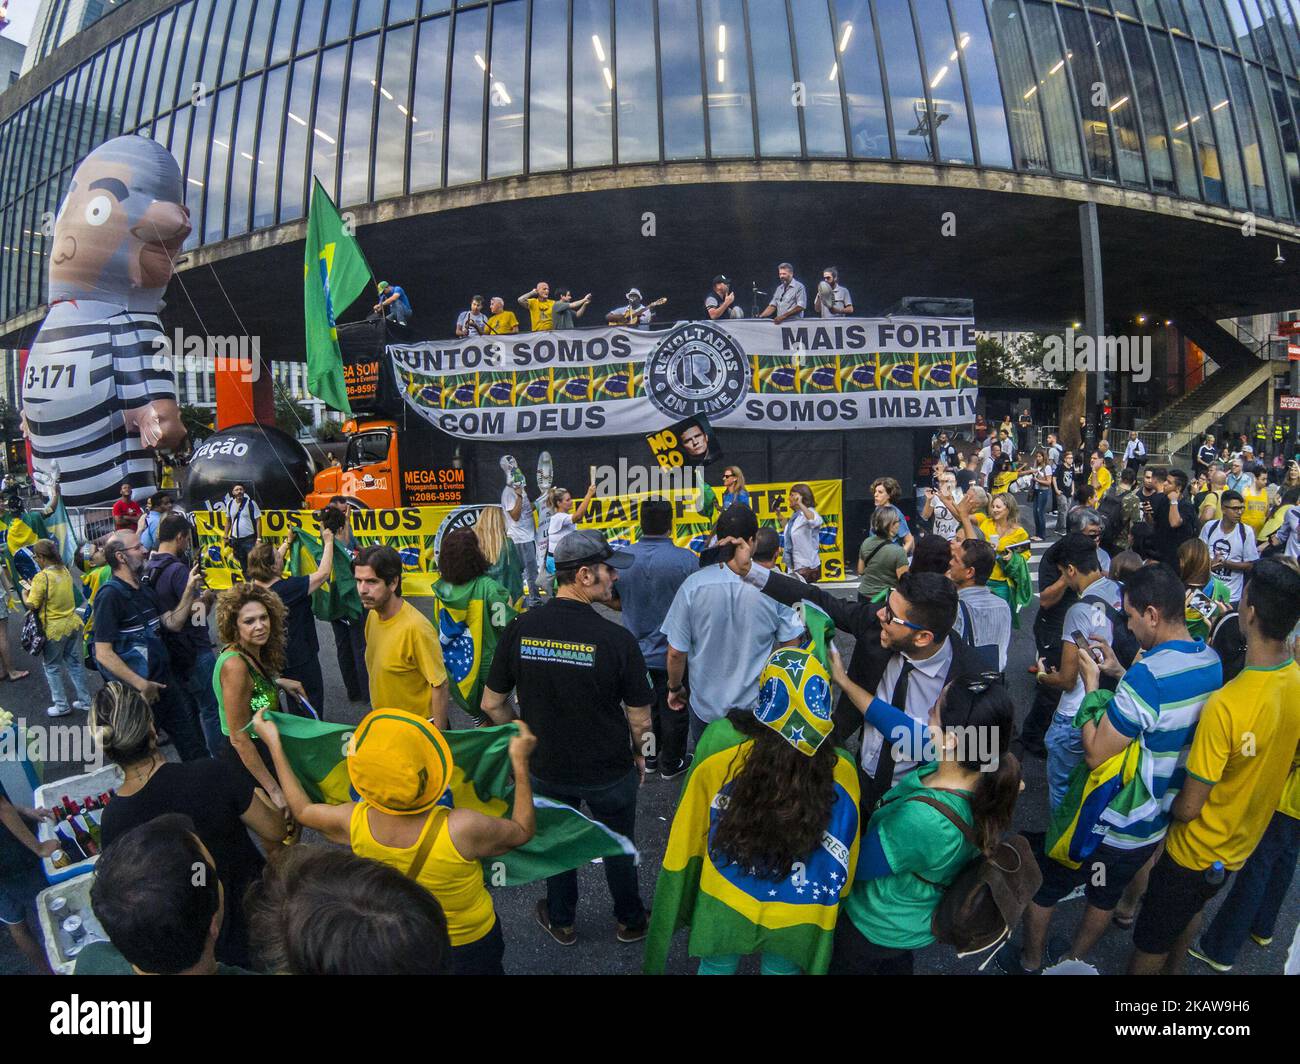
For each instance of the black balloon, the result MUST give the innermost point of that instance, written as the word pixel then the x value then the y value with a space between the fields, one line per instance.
pixel 273 467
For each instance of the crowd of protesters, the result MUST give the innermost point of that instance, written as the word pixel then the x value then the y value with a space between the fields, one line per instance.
pixel 814 832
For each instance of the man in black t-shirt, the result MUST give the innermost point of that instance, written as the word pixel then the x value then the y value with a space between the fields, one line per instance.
pixel 128 640
pixel 1173 519
pixel 583 689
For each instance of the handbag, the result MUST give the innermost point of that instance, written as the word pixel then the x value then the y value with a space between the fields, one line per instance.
pixel 33 637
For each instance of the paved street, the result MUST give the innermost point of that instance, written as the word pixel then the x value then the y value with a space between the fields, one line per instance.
pixel 530 950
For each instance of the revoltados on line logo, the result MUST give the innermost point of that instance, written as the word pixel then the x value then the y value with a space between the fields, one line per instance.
pixel 696 369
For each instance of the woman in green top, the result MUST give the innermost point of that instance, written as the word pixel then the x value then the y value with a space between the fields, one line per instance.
pixel 1208 597
pixel 911 851
pixel 881 561
pixel 251 626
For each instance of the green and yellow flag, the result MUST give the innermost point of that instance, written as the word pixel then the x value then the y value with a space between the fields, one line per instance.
pixel 335 273
pixel 480 780
pixel 730 909
pixel 337 599
pixel 470 619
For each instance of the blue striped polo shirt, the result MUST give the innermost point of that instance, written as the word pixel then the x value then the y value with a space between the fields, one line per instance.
pixel 1158 703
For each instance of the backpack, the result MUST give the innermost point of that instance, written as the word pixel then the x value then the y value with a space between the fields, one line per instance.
pixel 983 905
pixel 1122 641
pixel 1229 642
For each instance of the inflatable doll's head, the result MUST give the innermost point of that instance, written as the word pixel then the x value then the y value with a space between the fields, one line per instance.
pixel 120 227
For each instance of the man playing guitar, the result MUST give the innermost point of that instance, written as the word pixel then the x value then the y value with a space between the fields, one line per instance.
pixel 635 314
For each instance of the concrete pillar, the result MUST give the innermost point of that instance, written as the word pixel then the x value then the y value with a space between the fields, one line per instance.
pixel 1094 311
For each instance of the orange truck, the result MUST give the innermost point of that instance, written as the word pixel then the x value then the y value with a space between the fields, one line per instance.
pixel 372 473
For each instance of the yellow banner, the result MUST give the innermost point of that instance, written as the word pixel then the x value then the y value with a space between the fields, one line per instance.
pixel 412 531
pixel 615 516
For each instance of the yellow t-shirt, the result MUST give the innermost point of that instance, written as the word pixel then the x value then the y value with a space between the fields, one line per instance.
pixel 1101 480
pixel 1289 803
pixel 1256 512
pixel 1016 536
pixel 503 323
pixel 1245 746
pixel 404 660
pixel 51 597
pixel 540 311
pixel 457 883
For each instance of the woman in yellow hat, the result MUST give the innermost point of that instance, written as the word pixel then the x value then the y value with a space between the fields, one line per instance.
pixel 400 765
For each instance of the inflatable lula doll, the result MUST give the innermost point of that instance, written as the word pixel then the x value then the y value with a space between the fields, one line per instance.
pixel 98 394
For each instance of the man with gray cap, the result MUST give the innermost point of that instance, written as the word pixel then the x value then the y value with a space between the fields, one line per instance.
pixel 581 685
pixel 634 313
pixel 790 299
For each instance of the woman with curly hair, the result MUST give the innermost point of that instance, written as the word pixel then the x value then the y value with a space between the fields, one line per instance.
pixel 251 623
pixel 463 579
pixel 764 842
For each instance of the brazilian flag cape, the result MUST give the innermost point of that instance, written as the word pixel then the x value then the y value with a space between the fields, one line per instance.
pixel 61 531
pixel 481 780
pixel 337 599
pixel 508 572
pixel 20 532
pixel 470 619
pixel 730 911
pixel 1079 823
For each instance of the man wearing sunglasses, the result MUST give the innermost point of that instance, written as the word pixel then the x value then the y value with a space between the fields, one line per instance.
pixel 904 654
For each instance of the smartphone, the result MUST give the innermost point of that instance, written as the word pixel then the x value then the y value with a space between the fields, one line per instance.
pixel 714 555
pixel 1081 641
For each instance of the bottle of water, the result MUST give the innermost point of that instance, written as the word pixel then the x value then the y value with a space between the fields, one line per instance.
pixel 1214 875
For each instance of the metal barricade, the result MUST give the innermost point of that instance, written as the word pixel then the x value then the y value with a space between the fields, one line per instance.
pixel 91 522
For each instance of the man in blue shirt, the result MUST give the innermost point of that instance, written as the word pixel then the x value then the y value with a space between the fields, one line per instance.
pixel 646 591
pixel 393 303
pixel 724 629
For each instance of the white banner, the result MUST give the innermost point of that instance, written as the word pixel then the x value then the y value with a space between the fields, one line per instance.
pixel 811 374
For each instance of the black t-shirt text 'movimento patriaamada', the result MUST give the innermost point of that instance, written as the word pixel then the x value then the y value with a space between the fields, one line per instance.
pixel 573 672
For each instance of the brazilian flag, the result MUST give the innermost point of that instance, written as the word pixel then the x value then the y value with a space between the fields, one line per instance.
pixel 1114 787
pixel 335 273
pixel 470 619
pixel 61 531
pixel 20 532
pixel 337 599
pixel 317 752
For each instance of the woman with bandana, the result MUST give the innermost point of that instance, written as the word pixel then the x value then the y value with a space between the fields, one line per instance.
pixel 765 839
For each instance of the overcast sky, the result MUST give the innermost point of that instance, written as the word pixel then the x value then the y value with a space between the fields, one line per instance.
pixel 22 13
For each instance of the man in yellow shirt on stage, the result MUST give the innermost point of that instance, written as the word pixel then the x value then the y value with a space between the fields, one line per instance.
pixel 539 305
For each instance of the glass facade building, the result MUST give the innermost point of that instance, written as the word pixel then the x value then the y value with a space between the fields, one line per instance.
pixel 1195 99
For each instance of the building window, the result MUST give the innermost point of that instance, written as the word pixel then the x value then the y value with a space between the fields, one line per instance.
pixel 360 122
pixel 914 123
pixel 982 79
pixel 325 129
pixel 634 78
pixel 548 93
pixel 855 45
pixel 427 110
pixel 726 72
pixel 468 76
pixel 297 136
pixel 268 148
pixel 394 114
pixel 506 90
pixel 1155 128
pixel 593 84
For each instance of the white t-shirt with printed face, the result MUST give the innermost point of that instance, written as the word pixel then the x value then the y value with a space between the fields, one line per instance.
pixel 521 530
pixel 1235 546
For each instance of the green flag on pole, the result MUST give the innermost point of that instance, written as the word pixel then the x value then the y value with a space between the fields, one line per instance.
pixel 335 273
pixel 821 631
